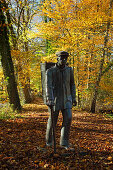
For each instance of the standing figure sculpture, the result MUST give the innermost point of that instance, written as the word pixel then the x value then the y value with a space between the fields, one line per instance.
pixel 60 94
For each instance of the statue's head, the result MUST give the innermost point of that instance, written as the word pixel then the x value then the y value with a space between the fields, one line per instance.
pixel 62 58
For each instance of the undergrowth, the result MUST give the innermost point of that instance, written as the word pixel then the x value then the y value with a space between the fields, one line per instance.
pixel 6 112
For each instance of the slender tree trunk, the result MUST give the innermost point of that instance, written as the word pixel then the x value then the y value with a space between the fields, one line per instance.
pixel 27 90
pixel 78 78
pixel 78 82
pixel 93 104
pixel 73 63
pixel 7 64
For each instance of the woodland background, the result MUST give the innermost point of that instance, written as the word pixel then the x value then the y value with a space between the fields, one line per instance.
pixel 32 31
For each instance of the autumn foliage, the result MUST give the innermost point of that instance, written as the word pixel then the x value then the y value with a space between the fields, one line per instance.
pixel 81 28
pixel 37 30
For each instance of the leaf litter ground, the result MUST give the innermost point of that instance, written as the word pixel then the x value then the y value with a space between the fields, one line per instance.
pixel 22 143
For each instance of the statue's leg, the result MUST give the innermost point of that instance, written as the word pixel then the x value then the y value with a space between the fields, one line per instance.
pixel 65 130
pixel 49 127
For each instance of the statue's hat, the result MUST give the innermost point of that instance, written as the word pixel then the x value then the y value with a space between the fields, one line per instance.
pixel 62 54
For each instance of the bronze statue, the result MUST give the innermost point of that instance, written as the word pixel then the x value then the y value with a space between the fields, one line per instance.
pixel 60 94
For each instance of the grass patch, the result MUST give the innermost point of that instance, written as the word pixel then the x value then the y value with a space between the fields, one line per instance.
pixel 109 115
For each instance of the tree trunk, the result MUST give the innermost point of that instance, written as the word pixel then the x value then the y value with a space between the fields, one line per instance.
pixel 26 87
pixel 93 104
pixel 7 64
pixel 27 90
pixel 78 82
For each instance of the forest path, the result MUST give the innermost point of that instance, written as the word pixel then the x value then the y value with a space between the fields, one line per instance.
pixel 91 136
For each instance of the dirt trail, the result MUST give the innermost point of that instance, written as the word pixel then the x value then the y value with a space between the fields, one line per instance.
pixel 91 135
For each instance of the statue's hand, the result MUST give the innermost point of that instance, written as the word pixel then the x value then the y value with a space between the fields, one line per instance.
pixel 74 102
pixel 50 103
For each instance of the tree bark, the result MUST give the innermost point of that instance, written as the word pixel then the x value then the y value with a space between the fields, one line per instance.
pixel 78 82
pixel 26 86
pixel 7 64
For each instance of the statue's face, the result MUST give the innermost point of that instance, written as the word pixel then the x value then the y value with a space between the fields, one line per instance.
pixel 62 60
